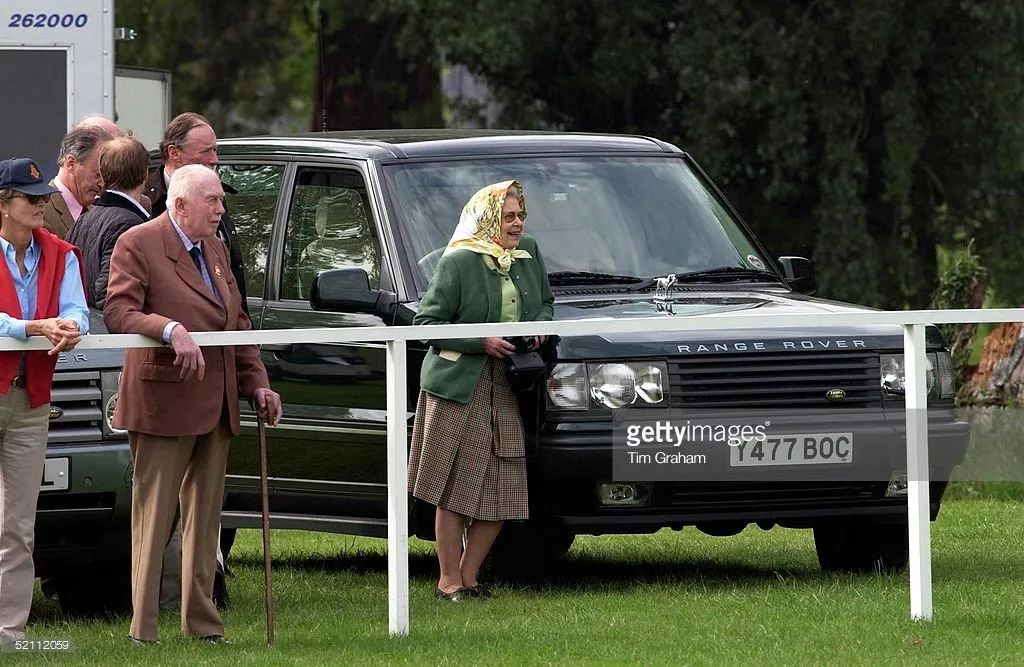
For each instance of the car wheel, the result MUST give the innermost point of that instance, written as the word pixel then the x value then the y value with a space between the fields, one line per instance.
pixel 527 551
pixel 861 545
pixel 98 590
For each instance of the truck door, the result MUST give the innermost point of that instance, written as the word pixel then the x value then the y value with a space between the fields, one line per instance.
pixel 252 200
pixel 328 454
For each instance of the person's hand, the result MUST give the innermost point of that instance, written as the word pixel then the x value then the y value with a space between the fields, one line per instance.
pixel 187 354
pixel 268 405
pixel 538 341
pixel 499 348
pixel 62 333
pixel 71 335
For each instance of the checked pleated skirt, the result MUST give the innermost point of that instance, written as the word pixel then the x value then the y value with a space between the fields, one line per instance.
pixel 470 458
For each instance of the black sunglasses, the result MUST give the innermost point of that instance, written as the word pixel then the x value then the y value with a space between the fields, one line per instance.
pixel 34 199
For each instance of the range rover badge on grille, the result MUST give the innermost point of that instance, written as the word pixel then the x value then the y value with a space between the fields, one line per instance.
pixel 835 394
pixel 55 413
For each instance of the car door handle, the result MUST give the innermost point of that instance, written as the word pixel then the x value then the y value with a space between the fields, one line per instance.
pixel 279 349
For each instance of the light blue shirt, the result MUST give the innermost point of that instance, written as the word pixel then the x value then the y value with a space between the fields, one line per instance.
pixel 71 304
pixel 202 269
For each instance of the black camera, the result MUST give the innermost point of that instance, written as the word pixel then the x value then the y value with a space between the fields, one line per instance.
pixel 521 343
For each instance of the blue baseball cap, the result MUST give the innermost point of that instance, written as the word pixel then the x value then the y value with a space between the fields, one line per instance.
pixel 25 176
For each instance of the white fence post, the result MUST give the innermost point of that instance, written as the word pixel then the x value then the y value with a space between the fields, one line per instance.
pixel 398 501
pixel 918 501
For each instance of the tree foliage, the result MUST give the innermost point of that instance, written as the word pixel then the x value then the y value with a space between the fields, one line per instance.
pixel 246 66
pixel 862 134
pixel 376 68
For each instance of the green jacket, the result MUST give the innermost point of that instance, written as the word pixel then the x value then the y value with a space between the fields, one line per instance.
pixel 464 291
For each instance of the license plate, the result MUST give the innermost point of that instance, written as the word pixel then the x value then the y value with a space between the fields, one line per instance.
pixel 797 449
pixel 55 475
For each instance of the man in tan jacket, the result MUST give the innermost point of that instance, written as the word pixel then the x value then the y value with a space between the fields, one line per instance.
pixel 169 276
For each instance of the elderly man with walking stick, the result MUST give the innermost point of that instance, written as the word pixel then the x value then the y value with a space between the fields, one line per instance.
pixel 179 404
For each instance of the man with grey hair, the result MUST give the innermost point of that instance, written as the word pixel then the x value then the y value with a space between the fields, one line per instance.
pixel 78 178
pixel 189 139
pixel 168 277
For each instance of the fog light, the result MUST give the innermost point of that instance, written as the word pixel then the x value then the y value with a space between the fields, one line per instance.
pixel 621 494
pixel 897 485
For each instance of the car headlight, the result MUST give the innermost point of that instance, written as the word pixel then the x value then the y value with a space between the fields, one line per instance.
pixel 649 383
pixel 108 384
pixel 944 374
pixel 612 385
pixel 567 387
pixel 938 375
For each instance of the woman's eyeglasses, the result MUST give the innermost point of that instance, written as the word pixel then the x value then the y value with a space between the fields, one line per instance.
pixel 509 218
pixel 34 199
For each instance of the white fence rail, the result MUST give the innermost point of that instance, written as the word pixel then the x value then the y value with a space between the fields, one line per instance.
pixel 912 321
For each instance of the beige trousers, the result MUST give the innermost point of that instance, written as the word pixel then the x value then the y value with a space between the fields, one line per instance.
pixel 168 472
pixel 22 452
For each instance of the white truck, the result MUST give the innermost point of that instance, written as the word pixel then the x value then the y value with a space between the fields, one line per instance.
pixel 57 65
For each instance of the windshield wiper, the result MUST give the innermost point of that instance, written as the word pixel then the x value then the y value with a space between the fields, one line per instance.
pixel 591 278
pixel 728 273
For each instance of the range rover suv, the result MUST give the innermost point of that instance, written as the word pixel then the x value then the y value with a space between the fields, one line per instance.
pixel 629 227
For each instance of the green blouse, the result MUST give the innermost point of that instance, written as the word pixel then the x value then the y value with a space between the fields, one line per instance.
pixel 511 304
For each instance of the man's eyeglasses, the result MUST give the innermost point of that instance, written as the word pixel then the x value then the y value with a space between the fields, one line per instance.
pixel 34 199
pixel 509 218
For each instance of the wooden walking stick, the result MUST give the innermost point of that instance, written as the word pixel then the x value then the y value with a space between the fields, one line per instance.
pixel 268 601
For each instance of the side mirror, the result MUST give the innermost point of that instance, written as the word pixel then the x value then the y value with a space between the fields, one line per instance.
pixel 344 290
pixel 799 272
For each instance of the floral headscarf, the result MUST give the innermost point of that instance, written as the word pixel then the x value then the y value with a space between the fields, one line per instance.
pixel 480 224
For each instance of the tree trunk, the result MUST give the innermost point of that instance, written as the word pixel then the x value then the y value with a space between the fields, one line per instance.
pixel 999 377
pixel 369 80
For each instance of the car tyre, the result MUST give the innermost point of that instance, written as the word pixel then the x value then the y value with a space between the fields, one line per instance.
pixel 527 551
pixel 95 591
pixel 862 545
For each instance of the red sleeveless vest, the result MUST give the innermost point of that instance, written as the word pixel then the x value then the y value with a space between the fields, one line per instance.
pixel 39 365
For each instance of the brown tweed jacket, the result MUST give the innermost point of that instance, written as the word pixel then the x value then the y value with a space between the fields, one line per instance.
pixel 153 281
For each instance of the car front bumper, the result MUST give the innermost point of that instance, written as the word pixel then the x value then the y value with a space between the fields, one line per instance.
pixel 575 458
pixel 90 520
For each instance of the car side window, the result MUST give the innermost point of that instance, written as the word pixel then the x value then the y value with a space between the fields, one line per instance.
pixel 252 207
pixel 329 227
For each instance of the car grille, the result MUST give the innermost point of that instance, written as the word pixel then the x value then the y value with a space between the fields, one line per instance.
pixel 78 399
pixel 775 379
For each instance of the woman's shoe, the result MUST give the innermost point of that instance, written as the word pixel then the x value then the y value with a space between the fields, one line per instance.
pixel 479 591
pixel 458 595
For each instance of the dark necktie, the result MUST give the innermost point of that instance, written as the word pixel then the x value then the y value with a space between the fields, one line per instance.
pixel 197 257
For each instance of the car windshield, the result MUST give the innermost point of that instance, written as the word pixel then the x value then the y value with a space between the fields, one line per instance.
pixel 620 217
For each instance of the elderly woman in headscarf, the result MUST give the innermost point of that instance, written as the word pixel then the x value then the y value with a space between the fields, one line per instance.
pixel 467 454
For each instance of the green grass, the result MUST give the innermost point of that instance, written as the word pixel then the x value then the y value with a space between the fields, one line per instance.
pixel 668 598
